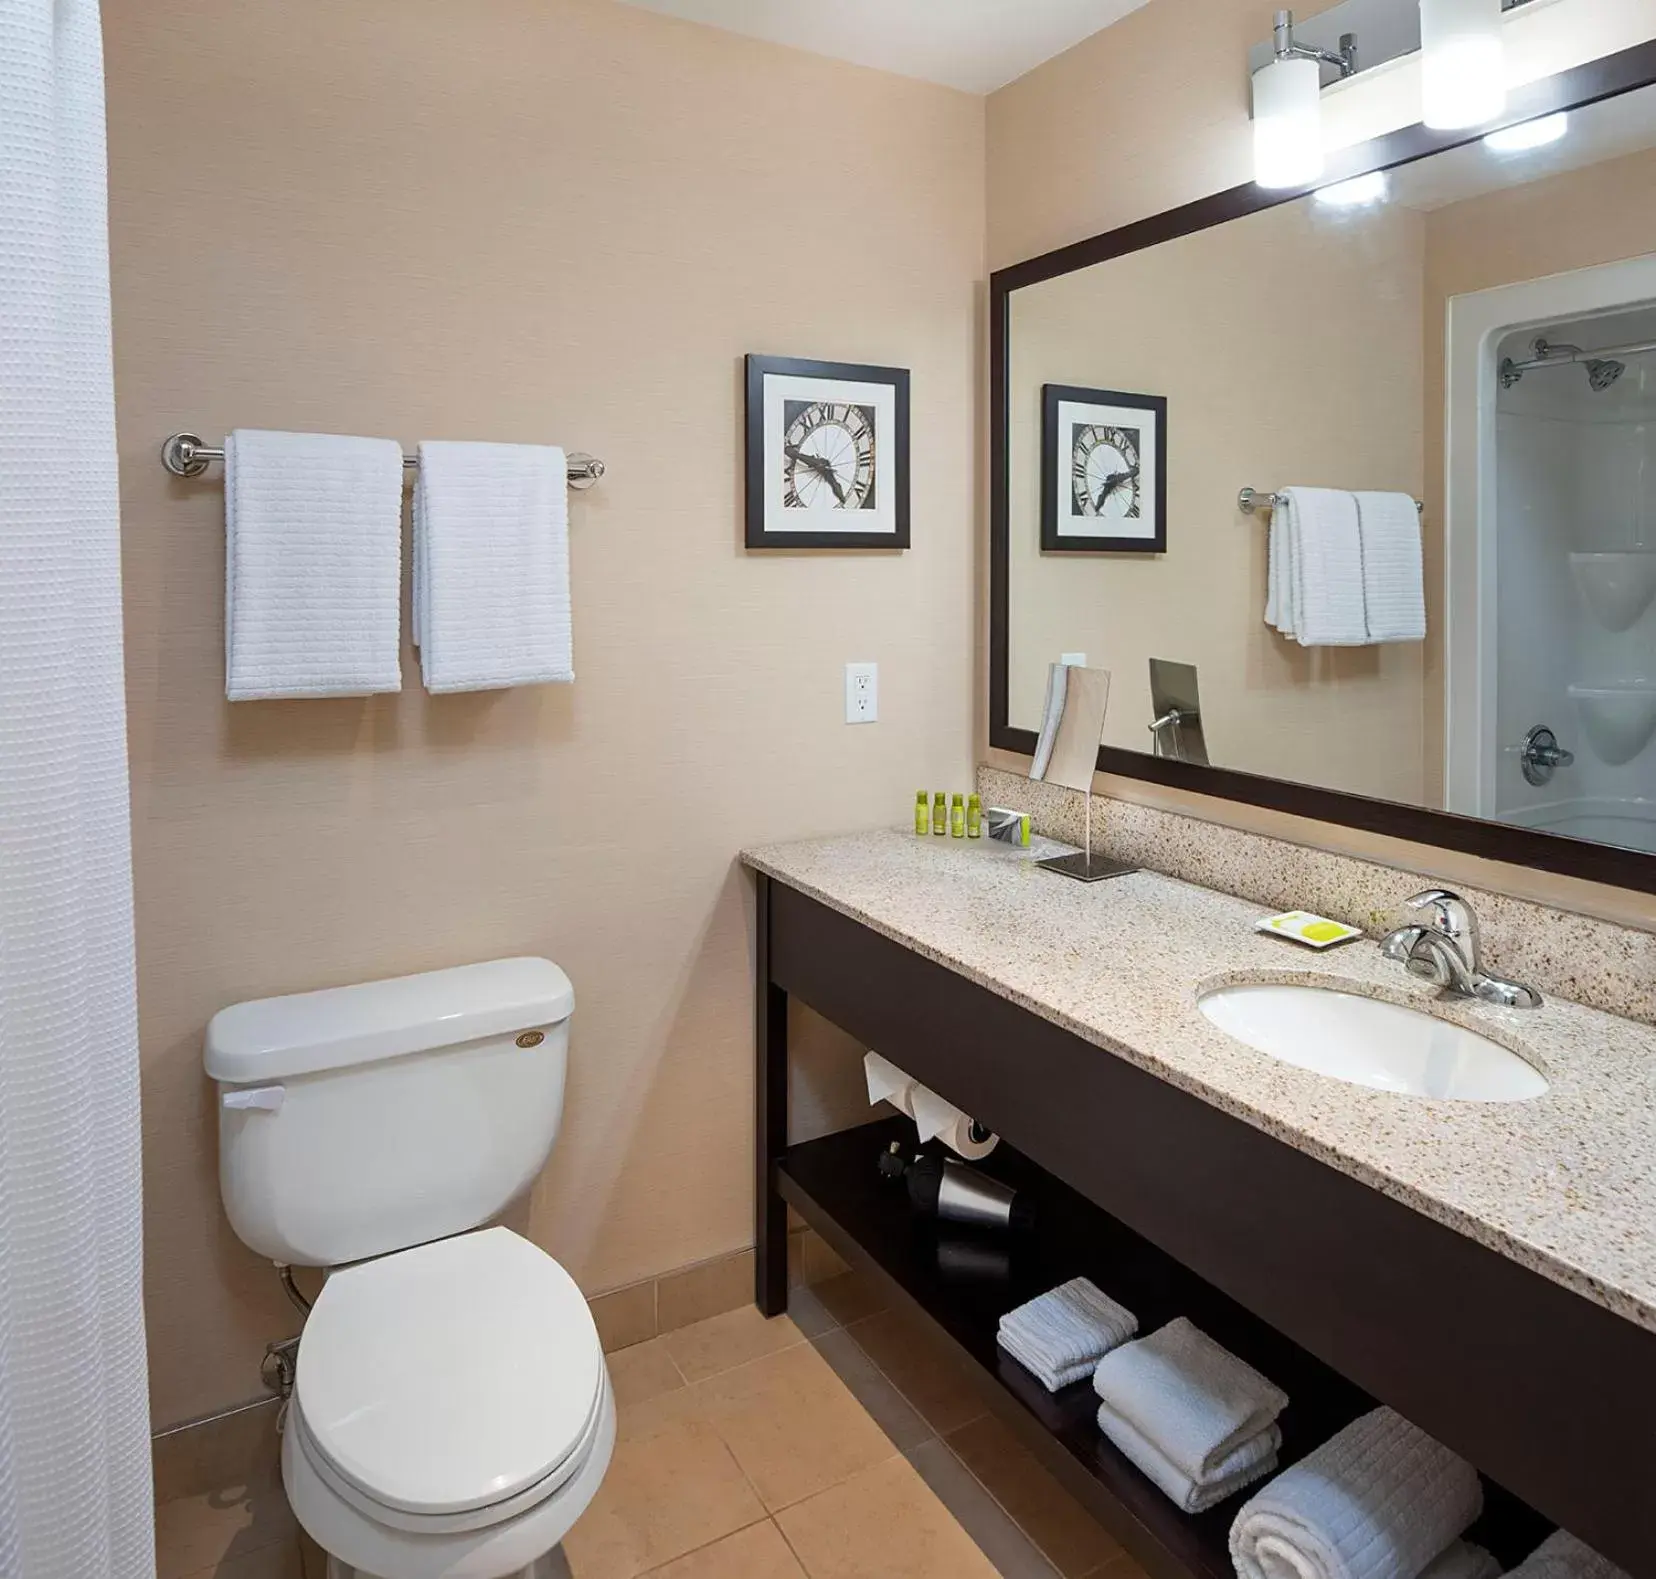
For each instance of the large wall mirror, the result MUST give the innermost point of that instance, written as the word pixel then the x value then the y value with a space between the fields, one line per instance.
pixel 1435 613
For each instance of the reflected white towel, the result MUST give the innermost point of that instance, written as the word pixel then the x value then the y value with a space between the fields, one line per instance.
pixel 312 565
pixel 1562 1556
pixel 1394 597
pixel 1252 1460
pixel 1064 1333
pixel 1378 1501
pixel 491 566
pixel 1316 569
pixel 1462 1560
pixel 1194 1399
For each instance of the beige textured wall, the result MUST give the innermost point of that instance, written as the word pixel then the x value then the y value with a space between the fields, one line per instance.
pixel 521 220
pixel 1337 402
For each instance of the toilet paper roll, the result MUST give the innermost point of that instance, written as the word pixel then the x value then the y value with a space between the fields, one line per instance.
pixel 933 1117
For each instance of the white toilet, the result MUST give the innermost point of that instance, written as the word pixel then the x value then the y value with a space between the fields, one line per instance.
pixel 452 1414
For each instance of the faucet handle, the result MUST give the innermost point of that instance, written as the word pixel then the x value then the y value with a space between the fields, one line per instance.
pixel 1452 916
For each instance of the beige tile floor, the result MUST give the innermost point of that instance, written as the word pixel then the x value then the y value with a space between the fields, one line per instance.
pixel 832 1445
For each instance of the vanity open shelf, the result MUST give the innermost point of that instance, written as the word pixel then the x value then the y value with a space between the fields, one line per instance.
pixel 1340 1292
pixel 954 1279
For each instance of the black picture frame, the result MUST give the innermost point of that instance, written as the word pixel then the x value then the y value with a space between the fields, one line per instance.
pixel 1623 72
pixel 1056 462
pixel 760 530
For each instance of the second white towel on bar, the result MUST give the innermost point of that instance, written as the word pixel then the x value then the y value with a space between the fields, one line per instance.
pixel 1394 596
pixel 1190 1396
pixel 312 565
pixel 491 566
pixel 1380 1500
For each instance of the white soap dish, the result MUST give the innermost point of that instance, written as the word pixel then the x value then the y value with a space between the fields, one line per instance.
pixel 1618 717
pixel 1617 588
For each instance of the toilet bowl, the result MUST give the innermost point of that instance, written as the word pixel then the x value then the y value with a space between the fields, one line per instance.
pixel 451 1414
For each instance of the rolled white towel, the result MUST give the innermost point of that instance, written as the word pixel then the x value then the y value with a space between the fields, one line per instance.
pixel 1061 1335
pixel 1380 1500
pixel 1462 1560
pixel 1253 1460
pixel 1195 1400
pixel 1562 1556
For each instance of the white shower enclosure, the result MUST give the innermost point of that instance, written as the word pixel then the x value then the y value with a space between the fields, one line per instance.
pixel 1552 554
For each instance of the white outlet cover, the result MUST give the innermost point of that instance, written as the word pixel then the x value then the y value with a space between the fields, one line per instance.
pixel 862 693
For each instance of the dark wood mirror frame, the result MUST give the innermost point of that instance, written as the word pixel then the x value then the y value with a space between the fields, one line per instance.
pixel 1602 79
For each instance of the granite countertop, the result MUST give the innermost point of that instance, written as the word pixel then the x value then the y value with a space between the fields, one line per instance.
pixel 1564 1183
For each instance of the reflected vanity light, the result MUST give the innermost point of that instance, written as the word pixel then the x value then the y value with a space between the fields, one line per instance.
pixel 1287 127
pixel 1287 106
pixel 1528 134
pixel 1359 192
pixel 1462 63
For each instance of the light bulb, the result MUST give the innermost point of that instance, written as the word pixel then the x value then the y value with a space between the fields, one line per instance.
pixel 1528 134
pixel 1462 63
pixel 1287 97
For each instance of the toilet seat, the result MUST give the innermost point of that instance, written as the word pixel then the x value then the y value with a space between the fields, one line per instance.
pixel 452 1386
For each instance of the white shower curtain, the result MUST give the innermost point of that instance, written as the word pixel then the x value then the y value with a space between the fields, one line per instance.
pixel 74 1429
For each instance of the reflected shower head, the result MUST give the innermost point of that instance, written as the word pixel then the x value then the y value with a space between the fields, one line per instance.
pixel 1601 373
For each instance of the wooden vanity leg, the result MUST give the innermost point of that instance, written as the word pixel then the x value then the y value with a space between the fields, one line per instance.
pixel 770 1118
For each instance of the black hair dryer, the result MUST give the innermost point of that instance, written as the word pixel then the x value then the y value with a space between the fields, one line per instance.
pixel 950 1190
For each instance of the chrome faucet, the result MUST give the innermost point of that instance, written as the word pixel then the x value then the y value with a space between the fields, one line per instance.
pixel 1444 951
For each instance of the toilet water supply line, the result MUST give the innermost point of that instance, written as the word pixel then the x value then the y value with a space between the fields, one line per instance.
pixel 281 1359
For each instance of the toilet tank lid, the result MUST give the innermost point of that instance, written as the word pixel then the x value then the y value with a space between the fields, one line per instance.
pixel 307 1032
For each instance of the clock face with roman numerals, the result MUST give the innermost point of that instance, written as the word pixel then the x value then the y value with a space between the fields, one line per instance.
pixel 828 456
pixel 1104 471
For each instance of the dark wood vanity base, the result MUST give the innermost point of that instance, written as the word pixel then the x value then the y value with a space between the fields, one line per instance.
pixel 1338 1292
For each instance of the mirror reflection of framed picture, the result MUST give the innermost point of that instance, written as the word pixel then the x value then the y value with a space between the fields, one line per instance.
pixel 1103 471
pixel 827 454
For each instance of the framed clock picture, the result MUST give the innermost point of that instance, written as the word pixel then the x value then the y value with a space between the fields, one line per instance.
pixel 1103 471
pixel 827 454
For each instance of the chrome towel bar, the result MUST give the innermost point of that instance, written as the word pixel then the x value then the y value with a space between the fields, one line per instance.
pixel 185 455
pixel 1252 502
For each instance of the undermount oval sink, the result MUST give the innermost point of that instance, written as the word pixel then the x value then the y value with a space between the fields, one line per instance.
pixel 1369 1042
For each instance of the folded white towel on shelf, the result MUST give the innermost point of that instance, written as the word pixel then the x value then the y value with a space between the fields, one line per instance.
pixel 1253 1460
pixel 491 566
pixel 1394 597
pixel 1562 1556
pixel 1380 1500
pixel 1462 1560
pixel 312 565
pixel 1063 1334
pixel 1194 1399
pixel 1315 592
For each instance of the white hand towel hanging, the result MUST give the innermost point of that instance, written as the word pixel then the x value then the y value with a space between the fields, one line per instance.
pixel 1394 597
pixel 1316 575
pixel 491 566
pixel 313 565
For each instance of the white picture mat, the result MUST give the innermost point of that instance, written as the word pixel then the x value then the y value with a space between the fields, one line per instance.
pixel 825 516
pixel 1073 524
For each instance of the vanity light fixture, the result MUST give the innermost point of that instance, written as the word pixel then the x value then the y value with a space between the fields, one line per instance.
pixel 1462 63
pixel 1287 106
pixel 1359 192
pixel 1528 134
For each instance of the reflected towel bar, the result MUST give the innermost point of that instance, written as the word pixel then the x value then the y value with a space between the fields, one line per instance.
pixel 1251 502
pixel 185 455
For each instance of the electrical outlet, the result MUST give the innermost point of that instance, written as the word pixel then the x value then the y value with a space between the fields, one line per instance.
pixel 862 693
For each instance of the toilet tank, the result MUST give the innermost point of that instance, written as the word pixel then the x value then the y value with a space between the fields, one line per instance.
pixel 361 1120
